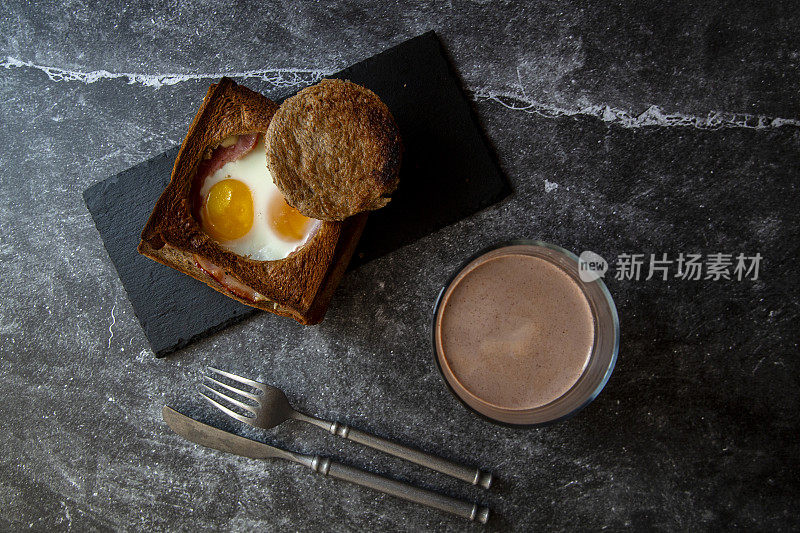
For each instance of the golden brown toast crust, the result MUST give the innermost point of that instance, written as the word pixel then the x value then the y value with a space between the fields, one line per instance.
pixel 334 150
pixel 300 285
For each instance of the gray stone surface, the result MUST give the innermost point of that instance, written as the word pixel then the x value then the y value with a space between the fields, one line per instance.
pixel 697 428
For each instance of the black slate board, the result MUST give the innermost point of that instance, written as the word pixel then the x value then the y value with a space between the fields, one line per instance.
pixel 448 173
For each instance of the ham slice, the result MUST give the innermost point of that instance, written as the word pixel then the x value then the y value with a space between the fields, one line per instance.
pixel 233 285
pixel 220 155
pixel 224 154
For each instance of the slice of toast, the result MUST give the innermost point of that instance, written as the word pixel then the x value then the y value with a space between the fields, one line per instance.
pixel 300 285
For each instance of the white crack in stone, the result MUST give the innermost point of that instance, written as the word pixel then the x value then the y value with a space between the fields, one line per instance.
pixel 292 77
pixel 279 77
pixel 111 326
pixel 652 116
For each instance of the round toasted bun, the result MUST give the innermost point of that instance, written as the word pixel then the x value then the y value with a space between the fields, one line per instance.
pixel 334 150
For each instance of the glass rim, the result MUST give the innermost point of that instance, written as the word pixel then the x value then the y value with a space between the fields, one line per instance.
pixel 606 295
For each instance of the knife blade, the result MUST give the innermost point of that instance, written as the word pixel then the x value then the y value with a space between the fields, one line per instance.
pixel 211 437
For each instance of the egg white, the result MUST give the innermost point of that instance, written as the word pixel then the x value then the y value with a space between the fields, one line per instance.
pixel 261 243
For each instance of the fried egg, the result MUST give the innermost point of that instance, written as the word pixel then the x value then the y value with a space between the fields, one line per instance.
pixel 246 213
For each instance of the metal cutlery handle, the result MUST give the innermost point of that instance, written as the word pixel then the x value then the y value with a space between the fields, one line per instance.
pixel 470 511
pixel 464 473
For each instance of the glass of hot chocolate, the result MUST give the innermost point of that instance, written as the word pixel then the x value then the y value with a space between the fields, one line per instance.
pixel 520 338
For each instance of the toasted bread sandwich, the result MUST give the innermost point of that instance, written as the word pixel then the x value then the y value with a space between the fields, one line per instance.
pixel 222 220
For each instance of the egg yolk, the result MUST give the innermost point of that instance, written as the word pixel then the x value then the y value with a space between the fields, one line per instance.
pixel 228 210
pixel 286 221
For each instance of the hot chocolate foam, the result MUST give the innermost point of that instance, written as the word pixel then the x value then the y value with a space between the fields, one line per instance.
pixel 513 330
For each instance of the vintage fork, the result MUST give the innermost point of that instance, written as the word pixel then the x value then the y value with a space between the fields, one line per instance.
pixel 272 408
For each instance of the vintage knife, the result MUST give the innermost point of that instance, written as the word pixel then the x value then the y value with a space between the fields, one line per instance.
pixel 218 439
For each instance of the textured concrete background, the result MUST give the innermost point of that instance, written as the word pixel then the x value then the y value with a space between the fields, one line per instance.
pixel 650 129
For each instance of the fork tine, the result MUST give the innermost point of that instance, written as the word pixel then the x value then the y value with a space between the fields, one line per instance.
pixel 234 401
pixel 232 389
pixel 234 414
pixel 234 377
